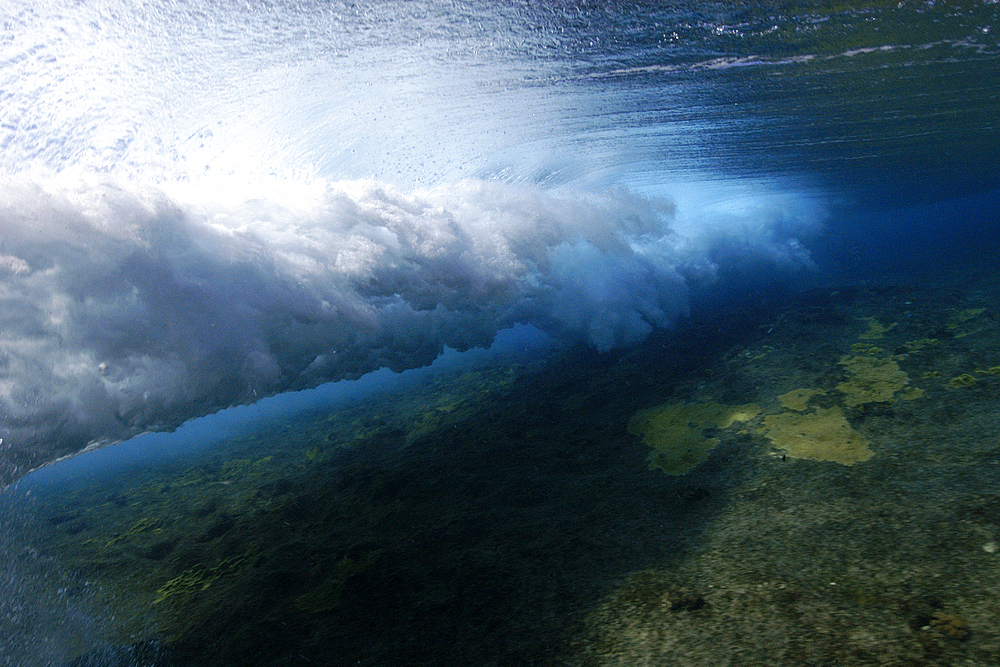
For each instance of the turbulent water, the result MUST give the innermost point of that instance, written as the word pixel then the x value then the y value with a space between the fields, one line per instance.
pixel 206 203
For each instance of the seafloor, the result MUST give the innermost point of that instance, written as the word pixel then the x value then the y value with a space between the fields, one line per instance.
pixel 509 514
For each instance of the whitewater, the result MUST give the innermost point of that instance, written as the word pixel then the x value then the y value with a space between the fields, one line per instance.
pixel 203 207
pixel 498 332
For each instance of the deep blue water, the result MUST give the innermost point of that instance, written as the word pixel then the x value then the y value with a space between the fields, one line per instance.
pixel 206 204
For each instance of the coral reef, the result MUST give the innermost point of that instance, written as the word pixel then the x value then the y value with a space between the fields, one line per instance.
pixel 821 435
pixel 872 379
pixel 796 399
pixel 676 432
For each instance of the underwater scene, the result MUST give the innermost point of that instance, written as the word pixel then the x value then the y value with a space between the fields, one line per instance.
pixel 523 333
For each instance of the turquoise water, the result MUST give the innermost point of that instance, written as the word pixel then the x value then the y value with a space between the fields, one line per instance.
pixel 205 206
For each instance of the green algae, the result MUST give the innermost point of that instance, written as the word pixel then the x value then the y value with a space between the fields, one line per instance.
pixel 921 344
pixel 143 525
pixel 871 379
pixel 797 399
pixel 960 320
pixel 820 435
pixel 961 381
pixel 245 468
pixel 198 578
pixel 677 432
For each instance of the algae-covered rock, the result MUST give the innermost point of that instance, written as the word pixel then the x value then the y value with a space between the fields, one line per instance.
pixel 821 435
pixel 198 578
pixel 797 399
pixel 872 379
pixel 963 380
pixel 677 433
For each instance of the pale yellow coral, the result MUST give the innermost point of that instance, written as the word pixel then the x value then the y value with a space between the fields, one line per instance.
pixel 797 399
pixel 821 435
pixel 676 432
pixel 872 380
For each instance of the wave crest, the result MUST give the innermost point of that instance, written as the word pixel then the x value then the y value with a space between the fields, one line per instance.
pixel 131 310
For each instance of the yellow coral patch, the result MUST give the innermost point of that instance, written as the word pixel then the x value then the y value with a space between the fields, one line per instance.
pixel 872 380
pixel 822 435
pixel 677 433
pixel 797 399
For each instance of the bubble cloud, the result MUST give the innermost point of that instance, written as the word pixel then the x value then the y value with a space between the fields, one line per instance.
pixel 132 310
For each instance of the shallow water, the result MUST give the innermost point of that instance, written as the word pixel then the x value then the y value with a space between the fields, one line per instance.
pixel 676 207
pixel 504 514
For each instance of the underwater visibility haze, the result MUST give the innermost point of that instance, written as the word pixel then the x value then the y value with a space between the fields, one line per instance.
pixel 214 204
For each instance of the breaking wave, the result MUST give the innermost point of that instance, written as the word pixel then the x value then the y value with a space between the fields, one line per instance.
pixel 125 311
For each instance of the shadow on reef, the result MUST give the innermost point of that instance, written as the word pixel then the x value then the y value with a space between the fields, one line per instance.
pixel 504 516
pixel 471 521
pixel 482 541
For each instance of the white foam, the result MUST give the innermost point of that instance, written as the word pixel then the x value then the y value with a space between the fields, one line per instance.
pixel 125 310
pixel 284 198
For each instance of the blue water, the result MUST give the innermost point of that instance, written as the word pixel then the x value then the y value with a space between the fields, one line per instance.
pixel 299 194
pixel 203 205
pixel 198 435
